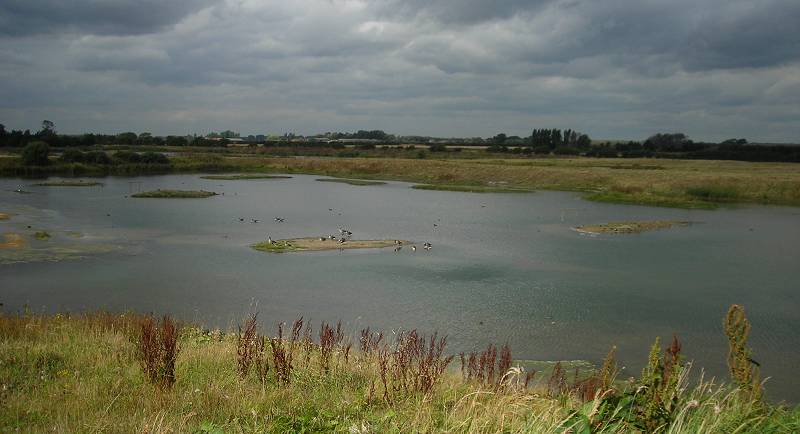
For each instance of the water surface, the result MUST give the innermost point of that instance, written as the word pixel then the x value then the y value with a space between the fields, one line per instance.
pixel 503 268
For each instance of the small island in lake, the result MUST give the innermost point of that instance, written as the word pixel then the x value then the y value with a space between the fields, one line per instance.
pixel 4 216
pixel 244 177
pixel 67 183
pixel 351 181
pixel 630 227
pixel 175 194
pixel 12 241
pixel 320 243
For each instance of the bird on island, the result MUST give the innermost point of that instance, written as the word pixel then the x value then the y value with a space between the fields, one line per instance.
pixel 269 240
pixel 254 220
pixel 322 238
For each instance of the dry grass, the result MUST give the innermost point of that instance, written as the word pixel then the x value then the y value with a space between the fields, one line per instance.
pixel 681 183
pixel 82 374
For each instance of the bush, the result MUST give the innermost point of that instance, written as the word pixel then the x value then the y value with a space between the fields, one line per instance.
pixel 128 157
pixel 72 156
pixel 96 157
pixel 35 154
pixel 154 158
pixel 437 147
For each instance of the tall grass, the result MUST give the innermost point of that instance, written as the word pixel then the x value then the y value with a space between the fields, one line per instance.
pixel 83 374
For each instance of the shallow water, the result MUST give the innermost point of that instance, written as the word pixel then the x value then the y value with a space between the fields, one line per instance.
pixel 503 268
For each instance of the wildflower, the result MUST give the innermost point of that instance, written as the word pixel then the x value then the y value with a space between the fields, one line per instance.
pixel 692 404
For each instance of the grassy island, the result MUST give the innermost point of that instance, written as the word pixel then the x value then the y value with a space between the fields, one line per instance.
pixel 175 194
pixel 317 244
pixel 244 177
pixel 4 216
pixel 630 227
pixel 351 181
pixel 104 372
pixel 66 183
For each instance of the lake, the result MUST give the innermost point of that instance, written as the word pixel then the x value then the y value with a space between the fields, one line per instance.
pixel 503 268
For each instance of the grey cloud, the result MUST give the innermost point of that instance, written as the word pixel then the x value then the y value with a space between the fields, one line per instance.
pixel 105 17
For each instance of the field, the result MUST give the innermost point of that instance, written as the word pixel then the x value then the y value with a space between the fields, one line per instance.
pixel 105 372
pixel 672 183
pixel 645 181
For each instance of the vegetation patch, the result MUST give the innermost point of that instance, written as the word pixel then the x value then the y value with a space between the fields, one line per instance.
pixel 319 244
pixel 4 216
pixel 42 235
pixel 471 188
pixel 148 375
pixel 244 177
pixel 648 199
pixel 351 181
pixel 67 183
pixel 714 193
pixel 630 227
pixel 175 194
pixel 12 241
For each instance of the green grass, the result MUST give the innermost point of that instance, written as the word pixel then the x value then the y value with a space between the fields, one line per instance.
pixel 470 188
pixel 714 193
pixel 175 194
pixel 81 374
pixel 351 181
pixel 244 177
pixel 68 184
pixel 650 200
pixel 42 235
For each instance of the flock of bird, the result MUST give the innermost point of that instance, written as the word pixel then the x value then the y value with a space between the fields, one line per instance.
pixel 344 235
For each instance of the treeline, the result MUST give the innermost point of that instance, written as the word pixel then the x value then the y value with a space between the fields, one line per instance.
pixel 47 134
pixel 678 145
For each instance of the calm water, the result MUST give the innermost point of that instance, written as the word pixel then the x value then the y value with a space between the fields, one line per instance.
pixel 504 267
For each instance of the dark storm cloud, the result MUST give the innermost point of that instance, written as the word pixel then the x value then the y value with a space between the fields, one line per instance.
pixel 107 17
pixel 612 68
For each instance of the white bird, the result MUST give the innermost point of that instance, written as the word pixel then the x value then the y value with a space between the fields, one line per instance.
pixel 413 248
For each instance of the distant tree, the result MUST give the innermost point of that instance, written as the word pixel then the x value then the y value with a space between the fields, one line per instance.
pixel 499 139
pixel 128 138
pixel 437 147
pixel 35 154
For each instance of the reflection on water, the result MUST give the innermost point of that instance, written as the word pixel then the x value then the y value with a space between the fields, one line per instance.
pixel 503 268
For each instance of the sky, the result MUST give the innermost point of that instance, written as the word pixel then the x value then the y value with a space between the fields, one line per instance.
pixel 614 69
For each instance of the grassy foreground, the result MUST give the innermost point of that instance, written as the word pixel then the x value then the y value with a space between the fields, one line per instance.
pixel 124 373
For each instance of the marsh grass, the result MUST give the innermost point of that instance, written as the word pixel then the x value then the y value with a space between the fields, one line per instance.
pixel 82 374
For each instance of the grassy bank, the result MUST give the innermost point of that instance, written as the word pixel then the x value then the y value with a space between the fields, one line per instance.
pixel 127 373
pixel 670 183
